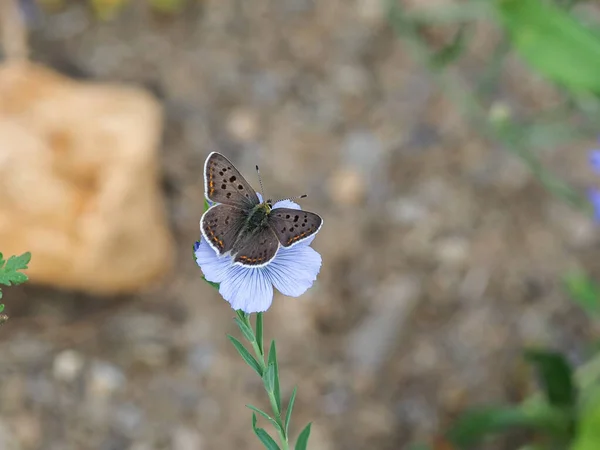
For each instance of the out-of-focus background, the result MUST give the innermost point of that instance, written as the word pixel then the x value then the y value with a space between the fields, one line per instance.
pixel 429 145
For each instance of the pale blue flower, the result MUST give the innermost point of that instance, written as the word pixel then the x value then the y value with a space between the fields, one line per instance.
pixel 594 193
pixel 594 158
pixel 291 272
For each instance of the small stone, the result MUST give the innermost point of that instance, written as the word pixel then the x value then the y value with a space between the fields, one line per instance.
pixel 152 353
pixel 105 379
pixel 347 187
pixel 27 430
pixel 372 12
pixel 8 440
pixel 13 392
pixel 128 418
pixel 67 365
pixel 375 420
pixel 351 79
pixel 407 211
pixel 185 438
pixel 336 402
pixel 243 125
pixel 577 228
pixel 452 251
pixel 200 358
pixel 362 150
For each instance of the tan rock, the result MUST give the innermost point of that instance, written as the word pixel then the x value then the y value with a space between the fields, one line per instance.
pixel 78 181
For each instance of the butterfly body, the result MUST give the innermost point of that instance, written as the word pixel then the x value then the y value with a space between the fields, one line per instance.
pixel 241 225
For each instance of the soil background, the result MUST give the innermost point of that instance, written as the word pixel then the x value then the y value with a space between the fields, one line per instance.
pixel 442 255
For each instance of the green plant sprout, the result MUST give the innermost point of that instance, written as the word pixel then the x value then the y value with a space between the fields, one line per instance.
pixel 10 275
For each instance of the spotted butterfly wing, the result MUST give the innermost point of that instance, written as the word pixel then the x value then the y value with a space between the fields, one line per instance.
pixel 223 183
pixel 221 226
pixel 292 226
pixel 256 248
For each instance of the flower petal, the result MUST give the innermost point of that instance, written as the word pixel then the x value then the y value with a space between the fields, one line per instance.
pixel 213 266
pixel 286 204
pixel 247 289
pixel 294 270
pixel 594 158
pixel 594 198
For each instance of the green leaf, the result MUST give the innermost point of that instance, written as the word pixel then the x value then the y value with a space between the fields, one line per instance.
pixel 553 42
pixel 588 429
pixel 264 437
pixel 245 354
pixel 452 51
pixel 273 362
pixel 269 378
pixel 259 332
pixel 1 308
pixel 288 413
pixel 556 376
pixel 245 329
pixel 215 285
pixel 9 270
pixel 267 440
pixel 265 415
pixel 302 441
pixel 583 291
pixel 242 315
pixel 421 447
pixel 206 205
pixel 473 425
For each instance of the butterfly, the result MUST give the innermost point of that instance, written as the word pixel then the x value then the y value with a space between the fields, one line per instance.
pixel 242 226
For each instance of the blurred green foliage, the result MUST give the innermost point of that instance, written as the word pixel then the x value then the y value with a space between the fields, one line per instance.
pixel 555 44
pixel 561 45
pixel 10 274
pixel 109 9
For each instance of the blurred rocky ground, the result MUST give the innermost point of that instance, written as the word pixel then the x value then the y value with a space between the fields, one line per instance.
pixel 442 256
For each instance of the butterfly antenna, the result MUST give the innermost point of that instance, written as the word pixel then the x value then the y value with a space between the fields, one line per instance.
pixel 292 198
pixel 262 190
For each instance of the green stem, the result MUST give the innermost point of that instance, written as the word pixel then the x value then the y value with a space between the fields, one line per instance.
pixel 260 357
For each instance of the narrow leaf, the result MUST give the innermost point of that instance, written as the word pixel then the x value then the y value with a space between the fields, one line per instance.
pixel 583 291
pixel 246 355
pixel 265 415
pixel 553 42
pixel 206 205
pixel 241 315
pixel 245 329
pixel 302 441
pixel 473 425
pixel 266 439
pixel 556 376
pixel 273 361
pixel 259 332
pixel 588 429
pixel 269 377
pixel 288 413
pixel 451 52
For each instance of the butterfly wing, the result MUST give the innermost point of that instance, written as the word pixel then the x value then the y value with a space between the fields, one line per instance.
pixel 221 225
pixel 293 225
pixel 257 248
pixel 223 183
